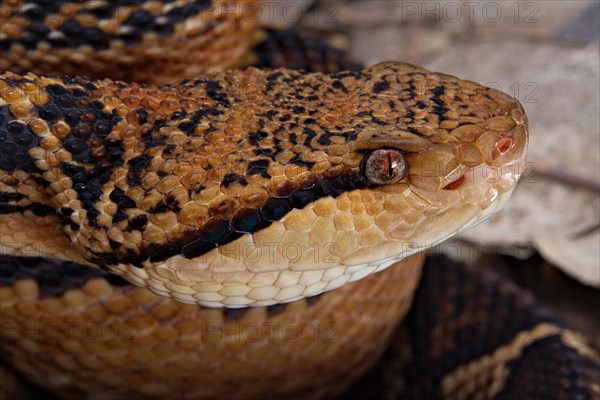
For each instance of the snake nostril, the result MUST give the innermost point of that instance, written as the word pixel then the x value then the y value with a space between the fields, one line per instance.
pixel 503 144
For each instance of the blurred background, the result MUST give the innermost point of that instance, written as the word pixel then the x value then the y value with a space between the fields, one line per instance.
pixel 546 54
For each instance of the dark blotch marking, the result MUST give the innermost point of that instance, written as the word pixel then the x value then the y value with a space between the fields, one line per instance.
pixel 189 127
pixel 122 201
pixel 168 149
pixel 215 230
pixel 138 223
pixel 119 217
pixel 324 139
pixel 301 198
pixel 258 167
pixel 338 85
pixel 381 86
pixel 16 139
pixel 88 185
pixel 137 165
pixel 350 136
pixel 64 213
pixel 197 248
pixel 255 137
pixel 170 204
pixel 214 90
pixel 142 116
pixel 272 80
pixel 275 209
pixel 298 109
pixel 232 179
pixel 440 107
pixel 248 220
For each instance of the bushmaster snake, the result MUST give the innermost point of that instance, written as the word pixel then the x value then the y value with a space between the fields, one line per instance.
pixel 243 188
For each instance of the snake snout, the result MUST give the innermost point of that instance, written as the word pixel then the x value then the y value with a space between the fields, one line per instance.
pixel 467 175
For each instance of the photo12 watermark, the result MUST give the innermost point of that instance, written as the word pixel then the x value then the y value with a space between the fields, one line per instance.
pixel 490 12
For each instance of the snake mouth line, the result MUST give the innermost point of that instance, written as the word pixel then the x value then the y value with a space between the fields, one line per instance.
pixel 455 184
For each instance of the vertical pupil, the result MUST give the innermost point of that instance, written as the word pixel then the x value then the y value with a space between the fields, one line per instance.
pixel 384 166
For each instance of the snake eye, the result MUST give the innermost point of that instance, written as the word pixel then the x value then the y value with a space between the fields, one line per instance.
pixel 384 167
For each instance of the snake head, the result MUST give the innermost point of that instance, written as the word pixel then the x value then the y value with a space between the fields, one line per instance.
pixel 451 150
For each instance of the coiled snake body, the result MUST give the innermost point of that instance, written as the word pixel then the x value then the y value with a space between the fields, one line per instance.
pixel 246 188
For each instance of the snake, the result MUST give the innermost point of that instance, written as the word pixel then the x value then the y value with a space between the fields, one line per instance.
pixel 184 214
